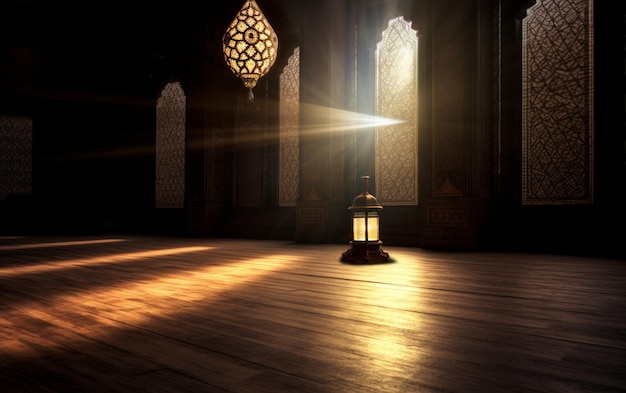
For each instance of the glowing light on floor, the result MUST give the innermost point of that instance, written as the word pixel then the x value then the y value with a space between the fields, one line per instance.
pixel 136 303
pixel 58 244
pixel 388 296
pixel 97 313
pixel 90 262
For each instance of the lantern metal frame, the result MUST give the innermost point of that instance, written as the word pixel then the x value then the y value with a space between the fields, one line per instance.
pixel 366 246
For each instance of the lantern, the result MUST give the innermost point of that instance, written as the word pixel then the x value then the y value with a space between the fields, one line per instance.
pixel 250 45
pixel 365 245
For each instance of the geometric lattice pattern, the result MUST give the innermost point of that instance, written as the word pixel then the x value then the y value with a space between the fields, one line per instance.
pixel 557 112
pixel 289 140
pixel 170 147
pixel 396 98
pixel 16 163
pixel 250 44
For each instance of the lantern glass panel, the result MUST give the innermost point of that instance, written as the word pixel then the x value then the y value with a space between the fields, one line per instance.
pixel 358 226
pixel 372 226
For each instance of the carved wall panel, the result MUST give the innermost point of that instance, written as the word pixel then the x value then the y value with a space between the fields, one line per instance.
pixel 16 149
pixel 289 141
pixel 170 147
pixel 557 112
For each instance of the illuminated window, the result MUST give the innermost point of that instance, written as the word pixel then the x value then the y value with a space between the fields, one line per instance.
pixel 396 98
pixel 289 127
pixel 16 142
pixel 170 147
pixel 557 111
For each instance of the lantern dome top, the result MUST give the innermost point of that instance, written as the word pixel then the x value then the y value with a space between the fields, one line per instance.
pixel 365 200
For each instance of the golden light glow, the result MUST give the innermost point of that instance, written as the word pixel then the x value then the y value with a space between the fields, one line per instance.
pixel 58 244
pixel 250 44
pixel 360 229
pixel 137 303
pixel 386 303
pixel 320 119
pixel 314 120
pixel 372 227
pixel 115 258
pixel 165 294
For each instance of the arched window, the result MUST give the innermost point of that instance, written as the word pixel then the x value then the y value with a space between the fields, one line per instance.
pixel 396 98
pixel 557 103
pixel 288 135
pixel 16 162
pixel 170 147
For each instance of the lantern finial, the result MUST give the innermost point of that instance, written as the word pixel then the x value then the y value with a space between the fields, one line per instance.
pixel 365 184
pixel 250 45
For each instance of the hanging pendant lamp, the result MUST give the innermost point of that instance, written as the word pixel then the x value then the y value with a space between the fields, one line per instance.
pixel 250 45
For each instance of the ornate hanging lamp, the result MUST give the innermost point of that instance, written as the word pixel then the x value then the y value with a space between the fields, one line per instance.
pixel 250 45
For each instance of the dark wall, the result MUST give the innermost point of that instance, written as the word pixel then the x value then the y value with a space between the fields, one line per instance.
pixel 89 75
pixel 572 228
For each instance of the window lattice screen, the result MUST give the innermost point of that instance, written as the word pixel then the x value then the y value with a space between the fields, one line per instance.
pixel 16 145
pixel 396 98
pixel 289 127
pixel 170 147
pixel 557 113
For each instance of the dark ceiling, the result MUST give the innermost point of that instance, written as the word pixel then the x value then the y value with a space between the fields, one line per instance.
pixel 50 46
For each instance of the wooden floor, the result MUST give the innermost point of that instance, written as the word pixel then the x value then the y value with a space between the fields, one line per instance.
pixel 150 314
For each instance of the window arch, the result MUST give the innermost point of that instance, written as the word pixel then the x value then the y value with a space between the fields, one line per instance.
pixel 396 98
pixel 289 150
pixel 170 147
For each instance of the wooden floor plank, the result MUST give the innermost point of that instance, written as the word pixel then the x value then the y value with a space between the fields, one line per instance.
pixel 167 314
